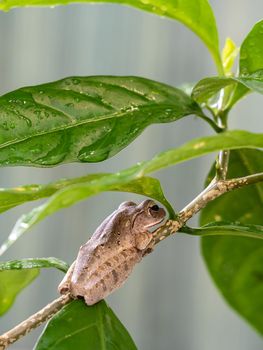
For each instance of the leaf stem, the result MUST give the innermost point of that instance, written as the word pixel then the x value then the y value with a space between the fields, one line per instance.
pixel 214 125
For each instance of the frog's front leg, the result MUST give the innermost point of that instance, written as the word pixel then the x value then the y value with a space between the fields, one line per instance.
pixel 64 286
pixel 142 239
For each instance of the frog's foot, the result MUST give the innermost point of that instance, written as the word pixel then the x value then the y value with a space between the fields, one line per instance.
pixel 63 288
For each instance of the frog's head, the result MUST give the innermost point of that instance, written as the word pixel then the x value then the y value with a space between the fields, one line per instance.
pixel 145 215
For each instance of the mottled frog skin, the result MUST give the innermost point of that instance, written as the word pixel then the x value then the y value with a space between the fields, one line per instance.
pixel 107 259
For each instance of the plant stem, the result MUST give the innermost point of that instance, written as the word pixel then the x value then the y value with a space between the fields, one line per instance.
pixel 222 165
pixel 214 190
pixel 33 321
pixel 212 123
pixel 223 156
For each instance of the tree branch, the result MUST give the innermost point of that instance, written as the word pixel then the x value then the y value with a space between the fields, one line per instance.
pixel 214 190
pixel 33 321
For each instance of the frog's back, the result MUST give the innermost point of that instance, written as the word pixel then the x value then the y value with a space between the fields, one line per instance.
pixel 100 279
pixel 105 261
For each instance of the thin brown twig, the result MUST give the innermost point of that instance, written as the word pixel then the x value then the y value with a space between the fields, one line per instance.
pixel 214 190
pixel 33 321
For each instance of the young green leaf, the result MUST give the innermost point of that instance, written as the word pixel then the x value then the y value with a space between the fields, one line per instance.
pixel 236 263
pixel 146 186
pixel 84 119
pixel 78 326
pixel 197 15
pixel 11 283
pixel 34 263
pixel 229 54
pixel 124 179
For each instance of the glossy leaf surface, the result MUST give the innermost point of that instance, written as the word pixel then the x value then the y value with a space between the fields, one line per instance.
pixel 236 263
pixel 83 119
pixel 78 326
pixel 72 194
pixel 33 263
pixel 11 284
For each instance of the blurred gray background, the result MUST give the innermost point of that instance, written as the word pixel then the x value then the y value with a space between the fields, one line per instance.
pixel 169 302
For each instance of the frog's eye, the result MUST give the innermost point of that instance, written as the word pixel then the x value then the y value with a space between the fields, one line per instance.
pixel 154 208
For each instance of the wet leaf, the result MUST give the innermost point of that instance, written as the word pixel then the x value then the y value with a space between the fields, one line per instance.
pixel 83 119
pixel 34 263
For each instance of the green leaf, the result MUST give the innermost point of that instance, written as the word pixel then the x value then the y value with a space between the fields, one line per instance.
pixel 197 15
pixel 222 228
pixel 204 145
pixel 75 193
pixel 146 186
pixel 83 119
pixel 236 263
pixel 78 326
pixel 33 263
pixel 250 60
pixel 251 51
pixel 11 283
pixel 207 88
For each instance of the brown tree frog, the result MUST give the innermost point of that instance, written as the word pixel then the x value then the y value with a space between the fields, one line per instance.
pixel 107 259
